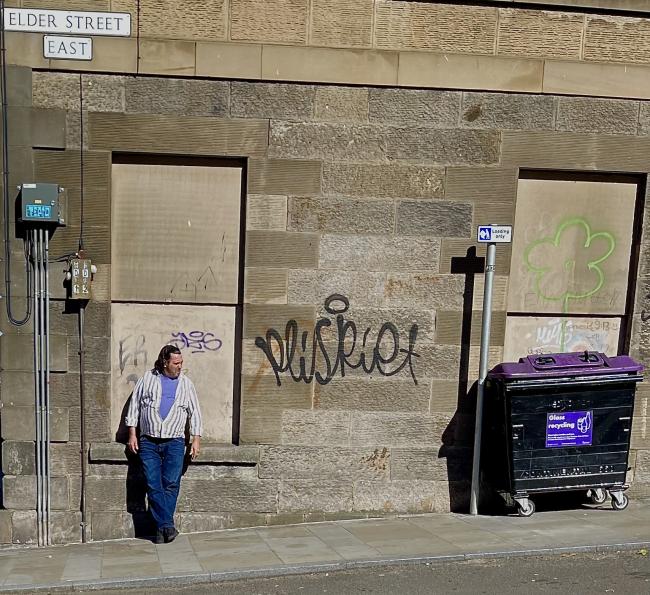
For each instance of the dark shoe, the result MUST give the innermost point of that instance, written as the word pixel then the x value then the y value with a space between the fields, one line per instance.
pixel 160 536
pixel 170 534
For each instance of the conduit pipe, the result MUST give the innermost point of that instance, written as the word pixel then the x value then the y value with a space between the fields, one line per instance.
pixel 46 273
pixel 40 270
pixel 37 384
pixel 82 398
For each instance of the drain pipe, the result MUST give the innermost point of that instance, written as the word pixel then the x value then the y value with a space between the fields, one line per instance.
pixel 37 386
pixel 40 252
pixel 82 399
pixel 46 383
pixel 41 378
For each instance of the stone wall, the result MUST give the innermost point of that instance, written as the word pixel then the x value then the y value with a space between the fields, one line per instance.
pixel 371 153
pixel 585 47
pixel 369 193
pixel 391 25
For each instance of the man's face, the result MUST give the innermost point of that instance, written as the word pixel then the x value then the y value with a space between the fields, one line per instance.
pixel 174 365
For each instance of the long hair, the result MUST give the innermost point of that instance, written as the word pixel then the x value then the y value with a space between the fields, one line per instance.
pixel 163 357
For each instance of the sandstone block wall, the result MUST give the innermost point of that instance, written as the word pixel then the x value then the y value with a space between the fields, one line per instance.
pixel 583 47
pixel 370 192
pixel 374 201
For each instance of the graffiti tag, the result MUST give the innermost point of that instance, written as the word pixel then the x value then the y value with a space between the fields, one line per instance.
pixel 197 341
pixel 130 349
pixel 562 273
pixel 351 346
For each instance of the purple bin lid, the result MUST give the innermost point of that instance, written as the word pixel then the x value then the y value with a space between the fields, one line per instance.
pixel 562 365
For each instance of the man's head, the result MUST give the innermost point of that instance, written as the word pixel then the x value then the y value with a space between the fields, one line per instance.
pixel 170 361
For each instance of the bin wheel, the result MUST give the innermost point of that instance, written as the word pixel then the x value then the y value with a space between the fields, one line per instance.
pixel 526 509
pixel 620 503
pixel 598 495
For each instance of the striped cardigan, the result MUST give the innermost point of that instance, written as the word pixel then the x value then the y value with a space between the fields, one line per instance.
pixel 145 408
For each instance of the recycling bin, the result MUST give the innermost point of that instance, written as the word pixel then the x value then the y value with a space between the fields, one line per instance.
pixel 559 422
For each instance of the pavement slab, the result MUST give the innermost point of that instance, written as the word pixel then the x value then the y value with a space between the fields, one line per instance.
pixel 83 566
pixel 306 548
pixel 344 543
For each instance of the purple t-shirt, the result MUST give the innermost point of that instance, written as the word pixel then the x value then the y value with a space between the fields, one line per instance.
pixel 169 386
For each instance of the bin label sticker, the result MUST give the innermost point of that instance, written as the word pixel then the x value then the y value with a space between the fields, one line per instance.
pixel 569 428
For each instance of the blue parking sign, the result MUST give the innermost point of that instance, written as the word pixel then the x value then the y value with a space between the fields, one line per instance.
pixel 494 234
pixel 484 233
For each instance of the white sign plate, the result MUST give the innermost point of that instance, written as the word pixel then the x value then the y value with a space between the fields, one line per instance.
pixel 71 22
pixel 491 234
pixel 67 48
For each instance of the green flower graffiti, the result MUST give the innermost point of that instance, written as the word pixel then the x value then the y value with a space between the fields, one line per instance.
pixel 566 264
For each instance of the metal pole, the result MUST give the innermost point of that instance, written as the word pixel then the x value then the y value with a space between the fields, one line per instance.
pixel 37 387
pixel 46 329
pixel 41 387
pixel 484 355
pixel 82 398
pixel 43 348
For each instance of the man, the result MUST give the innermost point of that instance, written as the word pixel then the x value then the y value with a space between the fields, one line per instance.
pixel 162 402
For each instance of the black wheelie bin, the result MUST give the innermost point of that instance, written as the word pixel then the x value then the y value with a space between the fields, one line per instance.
pixel 559 422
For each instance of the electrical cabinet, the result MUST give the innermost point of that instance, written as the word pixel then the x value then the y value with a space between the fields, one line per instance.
pixel 41 204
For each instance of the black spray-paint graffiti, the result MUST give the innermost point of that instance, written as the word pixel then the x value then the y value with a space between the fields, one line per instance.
pixel 197 341
pixel 130 349
pixel 350 346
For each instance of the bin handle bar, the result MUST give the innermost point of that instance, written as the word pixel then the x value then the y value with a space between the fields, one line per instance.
pixel 586 359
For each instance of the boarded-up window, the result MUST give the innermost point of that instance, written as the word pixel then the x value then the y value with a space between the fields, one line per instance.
pixel 175 233
pixel 175 278
pixel 568 287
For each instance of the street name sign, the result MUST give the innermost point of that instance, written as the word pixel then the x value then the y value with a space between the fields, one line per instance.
pixel 489 234
pixel 67 48
pixel 70 22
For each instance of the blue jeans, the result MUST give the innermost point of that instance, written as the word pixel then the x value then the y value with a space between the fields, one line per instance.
pixel 162 461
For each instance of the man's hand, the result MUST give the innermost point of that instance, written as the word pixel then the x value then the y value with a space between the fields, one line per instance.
pixel 133 441
pixel 195 447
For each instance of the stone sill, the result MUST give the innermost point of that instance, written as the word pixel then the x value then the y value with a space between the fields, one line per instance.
pixel 211 454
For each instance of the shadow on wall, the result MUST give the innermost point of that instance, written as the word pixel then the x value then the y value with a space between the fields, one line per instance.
pixel 136 490
pixel 458 437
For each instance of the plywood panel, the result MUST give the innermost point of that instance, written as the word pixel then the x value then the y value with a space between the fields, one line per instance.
pixel 527 335
pixel 175 233
pixel 206 337
pixel 571 247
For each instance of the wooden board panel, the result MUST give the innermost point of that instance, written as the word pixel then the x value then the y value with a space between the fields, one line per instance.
pixel 528 335
pixel 571 247
pixel 206 337
pixel 175 233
